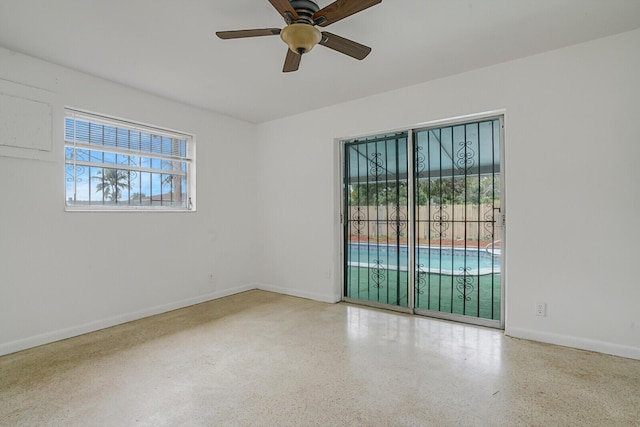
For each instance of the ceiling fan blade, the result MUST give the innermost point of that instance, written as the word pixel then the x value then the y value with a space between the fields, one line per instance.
pixel 238 34
pixel 340 9
pixel 346 46
pixel 291 62
pixel 285 9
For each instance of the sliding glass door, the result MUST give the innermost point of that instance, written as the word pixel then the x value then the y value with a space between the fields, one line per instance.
pixel 422 221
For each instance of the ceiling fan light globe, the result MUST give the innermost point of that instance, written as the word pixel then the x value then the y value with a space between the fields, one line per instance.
pixel 300 38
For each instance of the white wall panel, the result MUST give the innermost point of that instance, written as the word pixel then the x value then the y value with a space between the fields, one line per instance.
pixel 20 104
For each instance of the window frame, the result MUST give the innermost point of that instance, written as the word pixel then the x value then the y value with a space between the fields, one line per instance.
pixel 189 160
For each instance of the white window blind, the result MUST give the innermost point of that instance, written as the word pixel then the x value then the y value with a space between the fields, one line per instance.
pixel 117 164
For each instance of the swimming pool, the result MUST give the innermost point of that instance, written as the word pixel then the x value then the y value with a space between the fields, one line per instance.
pixel 429 259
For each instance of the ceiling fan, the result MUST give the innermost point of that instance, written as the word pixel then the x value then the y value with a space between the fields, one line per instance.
pixel 301 34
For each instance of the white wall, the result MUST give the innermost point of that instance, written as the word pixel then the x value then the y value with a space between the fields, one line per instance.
pixel 571 171
pixel 64 273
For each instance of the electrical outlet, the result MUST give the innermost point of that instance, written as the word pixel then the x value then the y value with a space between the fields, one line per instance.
pixel 541 309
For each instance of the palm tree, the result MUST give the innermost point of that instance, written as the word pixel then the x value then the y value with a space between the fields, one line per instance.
pixel 175 184
pixel 112 182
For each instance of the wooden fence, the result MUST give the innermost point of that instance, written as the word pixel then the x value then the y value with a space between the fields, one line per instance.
pixel 446 223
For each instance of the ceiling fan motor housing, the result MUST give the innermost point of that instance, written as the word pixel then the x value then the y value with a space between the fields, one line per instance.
pixel 305 8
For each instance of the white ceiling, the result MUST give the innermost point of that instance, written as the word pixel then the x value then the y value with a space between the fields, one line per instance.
pixel 169 47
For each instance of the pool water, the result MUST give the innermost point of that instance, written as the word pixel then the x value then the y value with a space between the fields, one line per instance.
pixel 438 260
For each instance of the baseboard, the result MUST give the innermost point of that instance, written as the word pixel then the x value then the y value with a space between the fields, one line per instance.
pixel 534 335
pixel 61 334
pixel 575 342
pixel 296 293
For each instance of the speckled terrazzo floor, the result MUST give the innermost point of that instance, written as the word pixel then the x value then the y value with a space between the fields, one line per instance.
pixel 263 359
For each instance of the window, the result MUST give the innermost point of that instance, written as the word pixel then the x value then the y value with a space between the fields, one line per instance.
pixel 113 164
